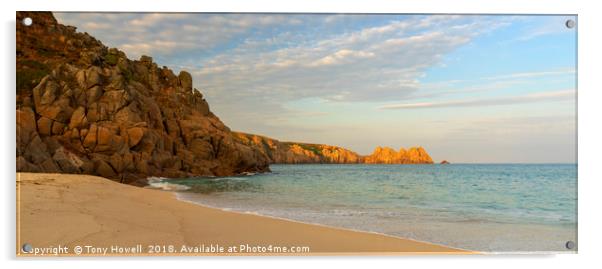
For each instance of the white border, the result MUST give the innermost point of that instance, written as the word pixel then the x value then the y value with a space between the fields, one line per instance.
pixel 589 136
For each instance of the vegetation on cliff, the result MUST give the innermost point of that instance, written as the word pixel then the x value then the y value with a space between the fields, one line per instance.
pixel 291 152
pixel 85 108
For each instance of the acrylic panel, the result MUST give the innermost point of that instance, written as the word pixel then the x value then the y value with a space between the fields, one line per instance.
pixel 295 134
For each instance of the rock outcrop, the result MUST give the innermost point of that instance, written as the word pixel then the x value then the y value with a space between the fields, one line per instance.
pixel 85 108
pixel 293 152
pixel 386 155
pixel 444 162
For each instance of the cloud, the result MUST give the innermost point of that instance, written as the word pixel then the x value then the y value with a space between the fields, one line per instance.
pixel 565 71
pixel 491 83
pixel 343 58
pixel 508 100
pixel 369 64
pixel 147 33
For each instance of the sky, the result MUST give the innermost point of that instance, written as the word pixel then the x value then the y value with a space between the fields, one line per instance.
pixel 467 88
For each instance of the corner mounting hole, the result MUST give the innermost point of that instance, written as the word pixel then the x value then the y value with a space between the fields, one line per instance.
pixel 570 245
pixel 570 24
pixel 27 21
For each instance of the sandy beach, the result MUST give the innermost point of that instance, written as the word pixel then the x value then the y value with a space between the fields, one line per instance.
pixel 62 210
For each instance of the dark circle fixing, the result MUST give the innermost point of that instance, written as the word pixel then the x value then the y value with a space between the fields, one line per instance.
pixel 27 248
pixel 570 245
pixel 570 24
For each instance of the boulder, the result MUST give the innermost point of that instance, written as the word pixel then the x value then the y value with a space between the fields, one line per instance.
pixel 26 127
pixel 78 118
pixel 45 92
pixel 94 94
pixel 134 136
pixel 128 161
pixel 127 115
pixel 44 126
pixel 117 162
pixel 36 151
pixel 74 134
pixel 90 137
pixel 141 163
pixel 58 128
pixel 201 148
pixel 104 169
pixel 185 80
pixel 25 166
pixel 146 60
pixel 115 100
pixel 67 161
pixel 93 77
pixel 49 166
pixel 107 140
pixel 80 78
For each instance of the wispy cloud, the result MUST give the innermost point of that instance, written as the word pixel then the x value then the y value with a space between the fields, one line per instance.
pixel 565 71
pixel 369 64
pixel 148 33
pixel 490 83
pixel 506 100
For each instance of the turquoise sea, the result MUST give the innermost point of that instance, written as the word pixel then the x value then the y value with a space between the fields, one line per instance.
pixel 482 207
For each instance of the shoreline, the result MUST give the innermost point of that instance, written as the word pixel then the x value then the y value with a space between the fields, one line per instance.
pixel 71 210
pixel 315 224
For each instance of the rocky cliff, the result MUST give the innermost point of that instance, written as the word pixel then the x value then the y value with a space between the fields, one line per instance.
pixel 85 108
pixel 293 152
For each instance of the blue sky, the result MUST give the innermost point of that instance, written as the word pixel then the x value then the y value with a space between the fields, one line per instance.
pixel 467 88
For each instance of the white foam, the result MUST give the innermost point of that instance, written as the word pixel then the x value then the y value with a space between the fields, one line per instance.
pixel 159 183
pixel 155 178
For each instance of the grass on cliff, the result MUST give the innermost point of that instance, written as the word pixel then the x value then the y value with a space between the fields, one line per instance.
pixel 29 74
pixel 110 59
pixel 309 147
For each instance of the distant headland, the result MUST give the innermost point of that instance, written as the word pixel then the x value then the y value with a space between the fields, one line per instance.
pixel 294 152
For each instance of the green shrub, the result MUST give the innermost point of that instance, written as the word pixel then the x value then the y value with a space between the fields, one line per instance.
pixel 311 147
pixel 30 73
pixel 111 59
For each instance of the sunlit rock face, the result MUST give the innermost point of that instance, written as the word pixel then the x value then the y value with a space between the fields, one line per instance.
pixel 414 155
pixel 85 108
pixel 293 152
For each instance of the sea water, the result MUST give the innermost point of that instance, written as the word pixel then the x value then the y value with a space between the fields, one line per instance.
pixel 481 207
